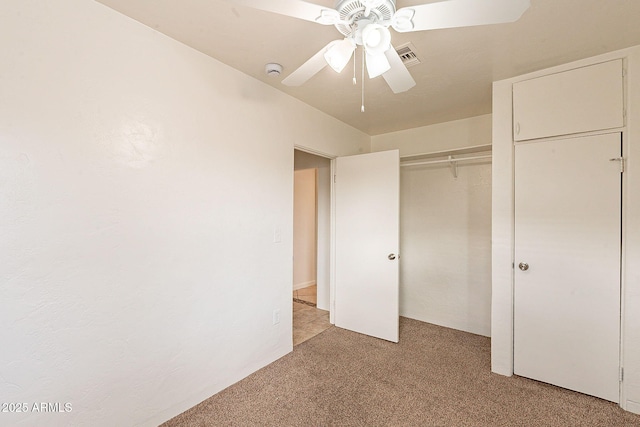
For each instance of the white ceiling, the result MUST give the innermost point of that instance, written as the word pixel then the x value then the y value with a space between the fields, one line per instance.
pixel 458 65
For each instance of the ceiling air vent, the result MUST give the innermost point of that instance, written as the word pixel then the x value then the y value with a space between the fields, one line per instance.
pixel 407 53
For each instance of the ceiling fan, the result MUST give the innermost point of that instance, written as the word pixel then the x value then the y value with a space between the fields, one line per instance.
pixel 366 23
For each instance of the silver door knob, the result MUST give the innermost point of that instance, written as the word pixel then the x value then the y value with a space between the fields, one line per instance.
pixel 392 256
pixel 523 266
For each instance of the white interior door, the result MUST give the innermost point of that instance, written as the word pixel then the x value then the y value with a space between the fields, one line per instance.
pixel 367 200
pixel 567 263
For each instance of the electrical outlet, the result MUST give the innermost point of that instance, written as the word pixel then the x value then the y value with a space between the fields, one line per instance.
pixel 277 235
pixel 276 316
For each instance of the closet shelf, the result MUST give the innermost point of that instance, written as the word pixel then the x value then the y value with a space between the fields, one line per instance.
pixel 445 153
pixel 423 159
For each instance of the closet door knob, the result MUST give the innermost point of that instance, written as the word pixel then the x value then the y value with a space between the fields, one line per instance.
pixel 523 266
pixel 392 256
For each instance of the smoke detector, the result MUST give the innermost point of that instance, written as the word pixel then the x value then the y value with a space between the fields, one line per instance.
pixel 273 69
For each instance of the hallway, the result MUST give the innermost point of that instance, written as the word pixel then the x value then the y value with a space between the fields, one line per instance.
pixel 308 321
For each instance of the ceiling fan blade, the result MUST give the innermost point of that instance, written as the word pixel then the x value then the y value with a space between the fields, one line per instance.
pixel 295 8
pixel 377 64
pixel 398 77
pixel 458 13
pixel 309 69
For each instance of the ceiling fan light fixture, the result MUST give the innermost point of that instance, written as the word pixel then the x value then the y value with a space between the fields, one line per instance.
pixel 402 20
pixel 339 54
pixel 376 39
pixel 377 65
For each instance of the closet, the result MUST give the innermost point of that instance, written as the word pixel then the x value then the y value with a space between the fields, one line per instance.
pixel 567 223
pixel 581 100
pixel 445 238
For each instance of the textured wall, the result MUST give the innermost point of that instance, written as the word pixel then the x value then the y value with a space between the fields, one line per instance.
pixel 445 242
pixel 440 137
pixel 142 185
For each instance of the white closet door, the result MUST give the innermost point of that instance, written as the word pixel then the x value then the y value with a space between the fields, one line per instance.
pixel 567 263
pixel 367 240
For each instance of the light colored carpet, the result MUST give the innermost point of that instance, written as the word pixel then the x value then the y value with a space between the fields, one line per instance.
pixel 434 377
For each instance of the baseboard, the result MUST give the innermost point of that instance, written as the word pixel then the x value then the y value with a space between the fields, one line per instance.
pixel 633 407
pixel 209 390
pixel 297 286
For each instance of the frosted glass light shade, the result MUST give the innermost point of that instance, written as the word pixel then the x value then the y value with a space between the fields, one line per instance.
pixel 376 39
pixel 338 55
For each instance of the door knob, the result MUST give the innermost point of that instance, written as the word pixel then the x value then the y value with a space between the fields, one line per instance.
pixel 392 256
pixel 523 266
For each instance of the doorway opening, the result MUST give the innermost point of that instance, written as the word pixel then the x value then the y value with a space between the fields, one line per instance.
pixel 305 241
pixel 311 249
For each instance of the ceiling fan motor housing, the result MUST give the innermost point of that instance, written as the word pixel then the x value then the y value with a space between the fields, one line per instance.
pixel 354 10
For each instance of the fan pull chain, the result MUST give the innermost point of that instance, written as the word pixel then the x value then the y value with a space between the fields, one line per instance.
pixel 363 64
pixel 355 82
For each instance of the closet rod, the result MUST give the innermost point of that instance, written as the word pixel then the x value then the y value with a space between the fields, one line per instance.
pixel 449 160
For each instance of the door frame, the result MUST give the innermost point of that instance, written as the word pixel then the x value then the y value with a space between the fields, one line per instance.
pixel 328 234
pixel 503 223
pixel 332 227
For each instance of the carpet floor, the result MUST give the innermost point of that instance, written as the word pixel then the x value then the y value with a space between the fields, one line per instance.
pixel 435 376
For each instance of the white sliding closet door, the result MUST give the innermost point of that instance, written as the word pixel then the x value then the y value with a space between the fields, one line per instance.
pixel 567 263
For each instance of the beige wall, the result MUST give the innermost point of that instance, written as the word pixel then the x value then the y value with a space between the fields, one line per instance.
pixel 146 199
pixel 441 137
